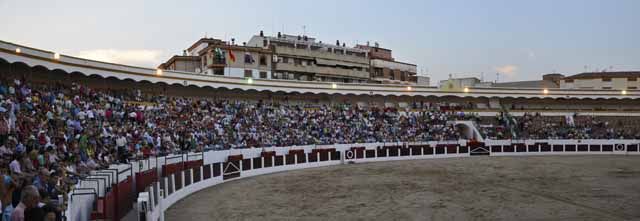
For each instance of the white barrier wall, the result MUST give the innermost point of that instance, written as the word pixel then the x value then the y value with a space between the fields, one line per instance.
pixel 80 206
pixel 166 200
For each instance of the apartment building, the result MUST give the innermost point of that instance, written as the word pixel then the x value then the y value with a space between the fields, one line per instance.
pixel 303 58
pixel 622 80
pixel 294 57
pixel 211 56
pixel 385 69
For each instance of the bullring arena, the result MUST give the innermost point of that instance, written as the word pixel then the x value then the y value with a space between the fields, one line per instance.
pixel 154 144
pixel 481 188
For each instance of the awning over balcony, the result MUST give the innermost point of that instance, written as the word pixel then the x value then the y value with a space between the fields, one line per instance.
pixel 327 62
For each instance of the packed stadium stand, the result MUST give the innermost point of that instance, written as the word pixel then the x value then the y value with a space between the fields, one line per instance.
pixel 85 132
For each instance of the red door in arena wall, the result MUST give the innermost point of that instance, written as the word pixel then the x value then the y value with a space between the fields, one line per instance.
pixel 478 149
pixel 231 168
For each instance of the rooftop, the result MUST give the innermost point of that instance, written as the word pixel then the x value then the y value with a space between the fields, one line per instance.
pixel 528 84
pixel 615 74
pixel 299 39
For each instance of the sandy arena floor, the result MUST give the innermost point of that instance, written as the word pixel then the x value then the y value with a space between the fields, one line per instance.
pixel 478 188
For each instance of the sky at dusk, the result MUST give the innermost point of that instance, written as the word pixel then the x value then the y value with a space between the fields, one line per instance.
pixel 519 39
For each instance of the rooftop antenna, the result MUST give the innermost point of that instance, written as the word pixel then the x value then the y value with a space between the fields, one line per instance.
pixel 304 30
pixel 482 76
pixel 497 77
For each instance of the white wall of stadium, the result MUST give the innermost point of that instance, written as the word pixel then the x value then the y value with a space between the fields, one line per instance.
pixel 191 181
pixel 53 61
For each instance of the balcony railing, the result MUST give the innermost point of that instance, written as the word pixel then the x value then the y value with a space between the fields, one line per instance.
pixel 322 70
pixel 322 54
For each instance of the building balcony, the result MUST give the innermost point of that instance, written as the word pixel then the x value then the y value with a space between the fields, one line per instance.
pixel 322 54
pixel 329 71
pixel 216 65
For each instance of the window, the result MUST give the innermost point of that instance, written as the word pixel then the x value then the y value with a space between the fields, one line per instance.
pixel 297 61
pixel 568 81
pixel 285 60
pixel 248 73
pixel 248 59
pixel 606 88
pixel 263 74
pixel 378 72
pixel 632 79
pixel 632 88
pixel 263 60
pixel 264 43
pixel 218 71
pixel 606 79
pixel 284 76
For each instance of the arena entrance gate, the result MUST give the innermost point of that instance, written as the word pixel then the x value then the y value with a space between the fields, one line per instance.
pixel 478 149
pixel 232 167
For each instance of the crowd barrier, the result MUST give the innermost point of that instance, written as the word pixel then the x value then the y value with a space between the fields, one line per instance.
pixel 109 194
pixel 160 182
pixel 232 165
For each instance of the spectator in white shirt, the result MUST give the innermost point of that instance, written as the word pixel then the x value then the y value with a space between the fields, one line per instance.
pixel 15 164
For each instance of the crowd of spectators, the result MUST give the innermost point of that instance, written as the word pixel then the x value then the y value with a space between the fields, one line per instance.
pixel 52 135
pixel 536 126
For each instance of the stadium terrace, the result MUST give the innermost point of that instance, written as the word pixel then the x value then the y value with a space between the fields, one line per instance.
pixel 90 139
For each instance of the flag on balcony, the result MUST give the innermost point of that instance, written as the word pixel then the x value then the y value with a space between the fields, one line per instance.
pixel 232 56
pixel 218 53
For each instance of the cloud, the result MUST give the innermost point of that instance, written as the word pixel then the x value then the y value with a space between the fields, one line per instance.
pixel 531 55
pixel 136 57
pixel 509 70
